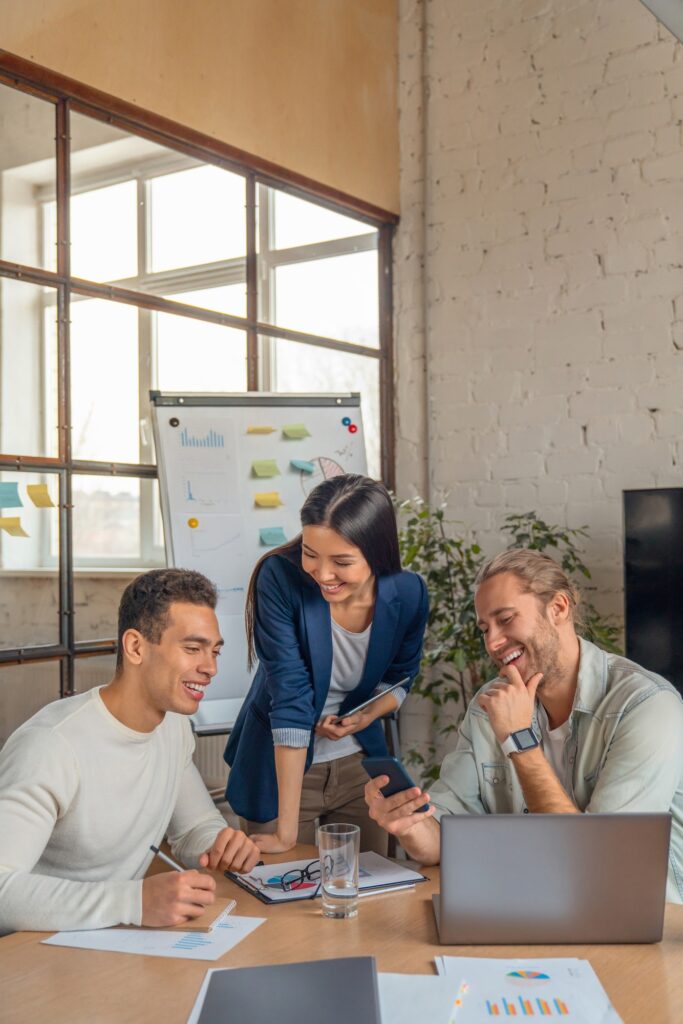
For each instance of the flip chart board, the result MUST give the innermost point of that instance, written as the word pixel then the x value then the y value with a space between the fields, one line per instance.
pixel 234 471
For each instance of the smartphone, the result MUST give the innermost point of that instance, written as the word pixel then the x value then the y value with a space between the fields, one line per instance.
pixel 399 779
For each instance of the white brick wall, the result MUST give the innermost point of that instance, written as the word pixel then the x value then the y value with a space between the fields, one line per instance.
pixel 542 197
pixel 542 189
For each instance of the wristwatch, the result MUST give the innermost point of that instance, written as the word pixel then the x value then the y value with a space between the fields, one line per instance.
pixel 523 739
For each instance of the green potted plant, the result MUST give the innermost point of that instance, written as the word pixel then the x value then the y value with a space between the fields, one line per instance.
pixel 455 663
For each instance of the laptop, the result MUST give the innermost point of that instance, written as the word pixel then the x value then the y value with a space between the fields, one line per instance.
pixel 552 878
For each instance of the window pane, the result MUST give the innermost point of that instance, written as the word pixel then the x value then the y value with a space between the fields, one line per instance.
pixel 197 217
pixel 104 381
pixel 231 298
pixel 28 231
pixel 310 369
pixel 104 236
pixel 28 369
pixel 29 595
pixel 96 671
pixel 105 163
pixel 106 519
pixel 298 222
pixel 195 356
pixel 336 297
pixel 25 689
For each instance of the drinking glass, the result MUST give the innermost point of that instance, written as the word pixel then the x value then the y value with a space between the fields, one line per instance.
pixel 338 845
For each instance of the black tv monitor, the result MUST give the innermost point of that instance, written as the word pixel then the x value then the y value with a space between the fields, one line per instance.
pixel 653 580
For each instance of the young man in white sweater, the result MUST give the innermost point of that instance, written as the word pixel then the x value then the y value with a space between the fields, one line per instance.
pixel 91 782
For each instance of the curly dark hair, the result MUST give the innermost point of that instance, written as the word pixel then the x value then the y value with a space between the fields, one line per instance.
pixel 146 601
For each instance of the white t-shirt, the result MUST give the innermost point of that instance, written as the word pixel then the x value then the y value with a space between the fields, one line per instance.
pixel 349 652
pixel 82 798
pixel 553 743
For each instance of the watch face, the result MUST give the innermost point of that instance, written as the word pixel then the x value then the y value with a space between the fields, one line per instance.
pixel 525 739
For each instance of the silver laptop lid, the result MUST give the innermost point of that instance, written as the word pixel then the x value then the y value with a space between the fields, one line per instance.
pixel 523 878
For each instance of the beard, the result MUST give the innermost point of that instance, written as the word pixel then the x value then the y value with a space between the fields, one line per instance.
pixel 543 649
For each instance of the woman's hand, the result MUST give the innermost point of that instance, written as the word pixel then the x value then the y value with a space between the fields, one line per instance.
pixel 280 841
pixel 349 725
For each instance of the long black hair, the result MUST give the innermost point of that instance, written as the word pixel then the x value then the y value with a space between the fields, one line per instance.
pixel 359 510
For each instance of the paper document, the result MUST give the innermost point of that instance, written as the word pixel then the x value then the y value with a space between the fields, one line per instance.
pixel 225 934
pixel 557 987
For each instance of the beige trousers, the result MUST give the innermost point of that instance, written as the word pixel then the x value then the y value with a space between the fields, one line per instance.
pixel 332 791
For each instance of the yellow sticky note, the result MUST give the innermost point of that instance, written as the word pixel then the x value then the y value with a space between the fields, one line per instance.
pixel 260 430
pixel 267 499
pixel 39 495
pixel 12 525
pixel 296 431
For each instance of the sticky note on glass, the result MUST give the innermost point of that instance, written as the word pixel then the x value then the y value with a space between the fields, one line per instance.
pixel 9 495
pixel 265 467
pixel 272 535
pixel 39 495
pixel 12 525
pixel 267 499
pixel 260 430
pixel 302 464
pixel 295 431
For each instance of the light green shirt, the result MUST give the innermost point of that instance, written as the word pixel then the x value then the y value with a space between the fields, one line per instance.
pixel 624 753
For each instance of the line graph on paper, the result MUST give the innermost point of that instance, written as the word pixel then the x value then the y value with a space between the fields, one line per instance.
pixel 201 489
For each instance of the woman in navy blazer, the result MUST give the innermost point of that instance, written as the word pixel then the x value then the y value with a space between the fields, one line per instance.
pixel 333 620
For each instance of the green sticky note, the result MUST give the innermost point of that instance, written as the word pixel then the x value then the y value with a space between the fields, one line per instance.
pixel 296 431
pixel 271 536
pixel 303 465
pixel 265 467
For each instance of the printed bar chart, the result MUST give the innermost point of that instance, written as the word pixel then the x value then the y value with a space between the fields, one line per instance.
pixel 212 439
pixel 527 1007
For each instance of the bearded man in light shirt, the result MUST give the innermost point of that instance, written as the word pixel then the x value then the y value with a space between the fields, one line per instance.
pixel 566 727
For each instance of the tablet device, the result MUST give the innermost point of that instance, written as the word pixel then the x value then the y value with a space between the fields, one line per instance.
pixel 371 700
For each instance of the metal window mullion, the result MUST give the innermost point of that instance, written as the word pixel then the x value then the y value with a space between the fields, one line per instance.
pixel 266 211
pixel 323 250
pixel 386 365
pixel 252 285
pixel 66 578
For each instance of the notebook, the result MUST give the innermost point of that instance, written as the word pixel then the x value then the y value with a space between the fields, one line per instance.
pixel 334 991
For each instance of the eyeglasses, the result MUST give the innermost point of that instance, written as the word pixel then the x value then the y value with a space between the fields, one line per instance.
pixel 295 878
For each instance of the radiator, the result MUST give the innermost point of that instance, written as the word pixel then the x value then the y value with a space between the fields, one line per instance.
pixel 208 757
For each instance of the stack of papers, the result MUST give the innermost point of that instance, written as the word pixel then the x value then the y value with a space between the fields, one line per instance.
pixel 559 988
pixel 376 875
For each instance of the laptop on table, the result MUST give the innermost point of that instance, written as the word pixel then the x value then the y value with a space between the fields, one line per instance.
pixel 552 878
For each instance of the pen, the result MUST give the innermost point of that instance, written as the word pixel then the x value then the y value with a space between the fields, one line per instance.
pixel 172 863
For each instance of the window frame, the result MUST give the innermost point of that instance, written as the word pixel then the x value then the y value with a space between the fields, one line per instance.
pixel 68 96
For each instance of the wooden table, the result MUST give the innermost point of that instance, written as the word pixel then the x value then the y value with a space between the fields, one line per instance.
pixel 68 986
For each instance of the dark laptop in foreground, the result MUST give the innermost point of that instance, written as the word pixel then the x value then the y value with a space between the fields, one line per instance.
pixel 552 878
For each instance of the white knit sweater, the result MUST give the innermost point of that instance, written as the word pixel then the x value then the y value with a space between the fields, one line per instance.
pixel 82 798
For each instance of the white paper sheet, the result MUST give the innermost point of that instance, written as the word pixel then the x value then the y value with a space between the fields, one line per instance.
pixel 561 988
pixel 225 934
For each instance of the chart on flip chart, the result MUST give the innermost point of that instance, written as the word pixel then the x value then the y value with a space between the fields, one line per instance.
pixel 234 471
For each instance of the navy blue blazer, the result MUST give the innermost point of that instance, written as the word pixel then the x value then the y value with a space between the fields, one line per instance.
pixel 293 639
